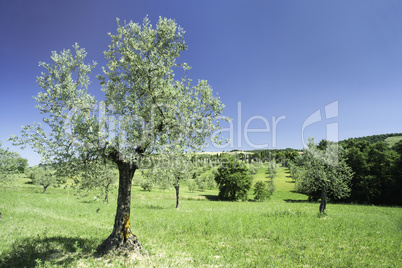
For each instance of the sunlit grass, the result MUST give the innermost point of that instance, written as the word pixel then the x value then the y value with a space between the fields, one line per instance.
pixel 60 229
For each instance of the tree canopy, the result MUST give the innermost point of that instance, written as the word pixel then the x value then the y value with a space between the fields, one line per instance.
pixel 42 175
pixel 233 179
pixel 376 166
pixel 322 171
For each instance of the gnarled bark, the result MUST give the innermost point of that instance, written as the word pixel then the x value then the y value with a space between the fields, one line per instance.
pixel 45 187
pixel 177 187
pixel 323 204
pixel 121 238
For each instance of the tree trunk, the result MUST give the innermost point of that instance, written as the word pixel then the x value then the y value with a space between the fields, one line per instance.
pixel 107 192
pixel 323 204
pixel 121 239
pixel 177 187
pixel 45 188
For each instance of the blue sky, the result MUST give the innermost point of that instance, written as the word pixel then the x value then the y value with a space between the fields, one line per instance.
pixel 277 61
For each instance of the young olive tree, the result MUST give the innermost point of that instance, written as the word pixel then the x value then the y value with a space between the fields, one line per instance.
pixel 146 110
pixel 98 175
pixel 261 192
pixel 178 169
pixel 43 176
pixel 325 172
pixel 170 170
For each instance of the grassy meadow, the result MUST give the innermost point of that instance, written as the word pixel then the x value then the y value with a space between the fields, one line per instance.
pixel 61 228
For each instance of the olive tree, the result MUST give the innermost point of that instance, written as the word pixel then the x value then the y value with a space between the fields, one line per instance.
pixel 147 110
pixel 324 173
pixel 98 175
pixel 43 176
pixel 168 170
pixel 178 169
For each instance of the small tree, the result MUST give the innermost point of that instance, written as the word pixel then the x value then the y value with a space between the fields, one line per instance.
pixel 98 174
pixel 271 175
pixel 261 191
pixel 253 168
pixel 170 170
pixel 325 173
pixel 191 186
pixel 201 182
pixel 233 180
pixel 181 171
pixel 272 169
pixel 43 176
pixel 150 178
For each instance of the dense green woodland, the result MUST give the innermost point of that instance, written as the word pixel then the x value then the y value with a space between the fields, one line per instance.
pixel 377 171
pixel 366 172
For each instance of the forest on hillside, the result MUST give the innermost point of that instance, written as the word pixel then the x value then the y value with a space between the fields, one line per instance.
pixel 373 167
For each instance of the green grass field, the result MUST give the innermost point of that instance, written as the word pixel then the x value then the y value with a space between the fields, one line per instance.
pixel 61 229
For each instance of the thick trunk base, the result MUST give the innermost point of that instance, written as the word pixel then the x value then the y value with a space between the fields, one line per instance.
pixel 323 204
pixel 122 241
pixel 116 245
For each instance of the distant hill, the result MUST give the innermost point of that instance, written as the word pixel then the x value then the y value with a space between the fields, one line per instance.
pixel 391 138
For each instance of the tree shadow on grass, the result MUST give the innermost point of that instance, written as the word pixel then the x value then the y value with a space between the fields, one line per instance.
pixel 57 250
pixel 211 197
pixel 297 201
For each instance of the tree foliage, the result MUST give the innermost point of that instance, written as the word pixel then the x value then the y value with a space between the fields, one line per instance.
pixel 324 173
pixel 376 168
pixel 233 179
pixel 42 175
pixel 261 192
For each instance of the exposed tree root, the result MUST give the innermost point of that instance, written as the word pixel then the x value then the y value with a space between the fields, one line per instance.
pixel 122 245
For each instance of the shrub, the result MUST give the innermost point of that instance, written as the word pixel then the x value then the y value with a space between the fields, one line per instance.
pixel 261 191
pixel 147 185
pixel 233 180
pixel 191 186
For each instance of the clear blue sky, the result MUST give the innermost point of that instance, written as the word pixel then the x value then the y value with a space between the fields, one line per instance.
pixel 277 58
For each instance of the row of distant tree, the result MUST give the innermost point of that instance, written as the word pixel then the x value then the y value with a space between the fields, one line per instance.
pixel 367 170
